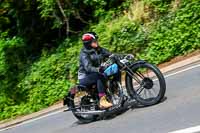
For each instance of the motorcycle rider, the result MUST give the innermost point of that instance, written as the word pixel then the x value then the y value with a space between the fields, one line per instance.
pixel 90 72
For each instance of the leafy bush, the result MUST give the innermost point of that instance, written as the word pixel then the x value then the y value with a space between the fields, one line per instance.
pixel 9 65
pixel 121 35
pixel 6 43
pixel 45 83
pixel 160 6
pixel 175 34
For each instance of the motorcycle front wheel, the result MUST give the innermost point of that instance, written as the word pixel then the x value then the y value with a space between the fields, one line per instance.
pixel 146 84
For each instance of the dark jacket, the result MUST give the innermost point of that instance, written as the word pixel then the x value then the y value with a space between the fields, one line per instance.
pixel 90 60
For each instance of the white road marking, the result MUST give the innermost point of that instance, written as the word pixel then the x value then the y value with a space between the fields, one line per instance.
pixel 189 68
pixel 32 120
pixel 53 113
pixel 188 130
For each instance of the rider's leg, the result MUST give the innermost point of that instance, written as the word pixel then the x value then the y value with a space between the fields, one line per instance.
pixel 101 90
pixel 101 85
pixel 96 78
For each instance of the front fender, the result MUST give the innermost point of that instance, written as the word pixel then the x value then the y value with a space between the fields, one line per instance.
pixel 132 66
pixel 137 63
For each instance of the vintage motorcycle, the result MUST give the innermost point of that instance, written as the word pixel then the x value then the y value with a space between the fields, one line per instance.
pixel 144 83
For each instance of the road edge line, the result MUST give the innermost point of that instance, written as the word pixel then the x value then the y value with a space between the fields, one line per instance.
pixel 194 129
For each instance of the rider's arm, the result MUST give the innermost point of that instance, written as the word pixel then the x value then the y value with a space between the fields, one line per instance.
pixel 87 64
pixel 105 52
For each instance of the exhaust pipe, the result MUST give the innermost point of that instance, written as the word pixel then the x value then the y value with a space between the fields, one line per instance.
pixel 98 112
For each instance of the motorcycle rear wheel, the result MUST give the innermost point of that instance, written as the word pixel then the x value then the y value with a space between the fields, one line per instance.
pixel 76 106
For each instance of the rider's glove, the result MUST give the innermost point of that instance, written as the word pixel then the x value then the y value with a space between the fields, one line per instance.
pixel 101 69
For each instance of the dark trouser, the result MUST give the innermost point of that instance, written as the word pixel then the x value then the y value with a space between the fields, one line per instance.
pixel 97 79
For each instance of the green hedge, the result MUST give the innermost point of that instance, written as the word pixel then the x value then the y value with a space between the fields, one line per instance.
pixel 175 34
pixel 121 35
pixel 45 82
pixel 11 63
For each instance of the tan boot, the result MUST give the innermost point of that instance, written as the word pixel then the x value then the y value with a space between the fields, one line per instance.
pixel 103 104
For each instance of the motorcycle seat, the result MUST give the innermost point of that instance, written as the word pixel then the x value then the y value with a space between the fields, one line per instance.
pixel 81 87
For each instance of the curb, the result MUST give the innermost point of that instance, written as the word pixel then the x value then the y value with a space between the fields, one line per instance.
pixel 180 64
pixel 59 106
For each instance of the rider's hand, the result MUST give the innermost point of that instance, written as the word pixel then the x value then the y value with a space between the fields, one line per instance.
pixel 101 69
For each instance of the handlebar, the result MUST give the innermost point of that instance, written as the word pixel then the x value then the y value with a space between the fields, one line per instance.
pixel 120 59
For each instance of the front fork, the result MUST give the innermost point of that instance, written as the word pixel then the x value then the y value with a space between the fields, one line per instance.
pixel 134 75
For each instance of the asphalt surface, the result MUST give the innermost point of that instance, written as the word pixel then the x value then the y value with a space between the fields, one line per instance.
pixel 179 110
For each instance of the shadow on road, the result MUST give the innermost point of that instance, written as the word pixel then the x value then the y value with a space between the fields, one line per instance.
pixel 110 116
pixel 136 105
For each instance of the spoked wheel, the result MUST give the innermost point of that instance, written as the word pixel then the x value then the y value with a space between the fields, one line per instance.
pixel 146 84
pixel 81 102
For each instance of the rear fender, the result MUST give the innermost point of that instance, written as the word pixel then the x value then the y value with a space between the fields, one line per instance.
pixel 72 91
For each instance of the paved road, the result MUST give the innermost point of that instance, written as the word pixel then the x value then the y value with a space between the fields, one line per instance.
pixel 180 110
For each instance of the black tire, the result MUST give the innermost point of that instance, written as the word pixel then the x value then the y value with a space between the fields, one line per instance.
pixel 82 119
pixel 145 83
